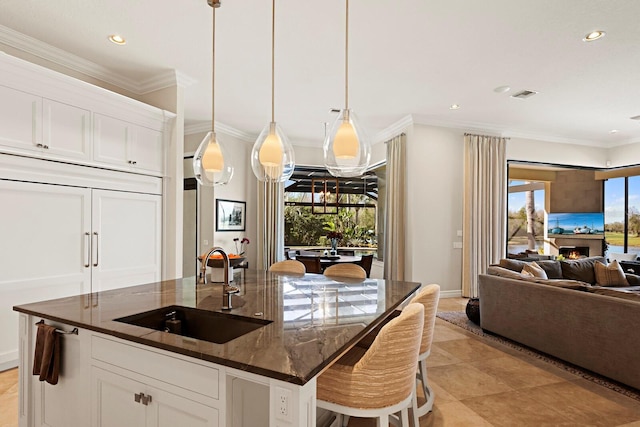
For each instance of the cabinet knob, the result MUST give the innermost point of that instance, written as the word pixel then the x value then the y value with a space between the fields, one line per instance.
pixel 46 147
pixel 137 397
pixel 132 162
pixel 39 145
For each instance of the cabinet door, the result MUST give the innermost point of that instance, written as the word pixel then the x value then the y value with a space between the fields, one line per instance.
pixel 147 150
pixel 44 251
pixel 169 410
pixel 20 119
pixel 113 400
pixel 110 140
pixel 126 239
pixel 66 130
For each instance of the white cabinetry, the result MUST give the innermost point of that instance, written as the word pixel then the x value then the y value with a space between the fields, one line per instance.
pixel 120 401
pixel 65 238
pixel 122 143
pixel 20 126
pixel 66 130
pixel 52 129
pixel 125 239
pixel 135 386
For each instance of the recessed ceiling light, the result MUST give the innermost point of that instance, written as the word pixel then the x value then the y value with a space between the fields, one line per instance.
pixel 594 35
pixel 454 107
pixel 117 39
pixel 502 89
pixel 612 131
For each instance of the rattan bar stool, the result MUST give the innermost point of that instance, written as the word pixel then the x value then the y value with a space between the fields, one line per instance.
pixel 353 271
pixel 428 296
pixel 288 266
pixel 379 381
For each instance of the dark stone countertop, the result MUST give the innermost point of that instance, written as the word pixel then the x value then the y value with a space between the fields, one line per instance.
pixel 304 337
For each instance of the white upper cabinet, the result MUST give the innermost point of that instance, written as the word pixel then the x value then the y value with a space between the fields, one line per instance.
pixel 127 145
pixel 66 130
pixel 20 124
pixel 48 115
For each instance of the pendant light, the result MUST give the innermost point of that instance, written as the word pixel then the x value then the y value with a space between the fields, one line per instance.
pixel 272 156
pixel 212 161
pixel 347 149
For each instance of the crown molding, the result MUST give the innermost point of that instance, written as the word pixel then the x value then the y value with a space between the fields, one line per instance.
pixel 394 129
pixel 506 133
pixel 166 79
pixel 204 127
pixel 50 53
pixel 58 56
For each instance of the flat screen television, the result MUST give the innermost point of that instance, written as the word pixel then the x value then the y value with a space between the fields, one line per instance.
pixel 576 223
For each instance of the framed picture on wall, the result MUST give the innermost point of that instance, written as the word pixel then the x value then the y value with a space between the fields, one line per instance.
pixel 230 215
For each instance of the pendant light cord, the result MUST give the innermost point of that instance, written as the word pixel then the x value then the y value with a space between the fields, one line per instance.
pixel 273 61
pixel 346 58
pixel 213 70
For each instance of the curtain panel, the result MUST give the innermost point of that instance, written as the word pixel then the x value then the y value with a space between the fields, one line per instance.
pixel 395 212
pixel 270 227
pixel 484 218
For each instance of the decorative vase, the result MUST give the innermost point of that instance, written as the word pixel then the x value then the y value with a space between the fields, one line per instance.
pixel 473 310
pixel 334 246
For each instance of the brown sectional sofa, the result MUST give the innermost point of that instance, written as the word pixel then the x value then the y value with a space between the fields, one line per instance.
pixel 591 326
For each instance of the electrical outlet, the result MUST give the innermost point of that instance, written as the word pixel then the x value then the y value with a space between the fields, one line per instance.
pixel 283 400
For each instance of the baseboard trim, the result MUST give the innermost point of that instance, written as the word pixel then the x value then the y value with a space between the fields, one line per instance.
pixel 450 294
pixel 9 364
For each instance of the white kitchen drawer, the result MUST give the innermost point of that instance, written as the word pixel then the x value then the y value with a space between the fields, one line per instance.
pixel 159 365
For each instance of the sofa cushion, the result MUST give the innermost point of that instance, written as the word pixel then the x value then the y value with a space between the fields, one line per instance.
pixel 551 267
pixel 610 275
pixel 564 283
pixel 496 270
pixel 632 295
pixel 534 270
pixel 580 269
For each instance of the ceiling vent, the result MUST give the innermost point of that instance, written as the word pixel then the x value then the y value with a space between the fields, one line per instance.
pixel 523 94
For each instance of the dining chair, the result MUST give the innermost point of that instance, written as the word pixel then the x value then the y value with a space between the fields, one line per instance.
pixel 379 381
pixel 311 263
pixel 353 271
pixel 288 266
pixel 365 262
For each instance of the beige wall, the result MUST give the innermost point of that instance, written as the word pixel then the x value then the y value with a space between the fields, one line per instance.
pixel 556 153
pixel 434 206
pixel 624 155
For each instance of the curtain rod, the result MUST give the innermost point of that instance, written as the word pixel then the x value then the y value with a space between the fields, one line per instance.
pixel 489 136
pixel 402 134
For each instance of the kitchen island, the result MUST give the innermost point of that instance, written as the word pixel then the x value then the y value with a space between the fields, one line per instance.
pixel 117 373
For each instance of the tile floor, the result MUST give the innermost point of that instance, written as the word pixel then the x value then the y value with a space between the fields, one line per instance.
pixel 477 383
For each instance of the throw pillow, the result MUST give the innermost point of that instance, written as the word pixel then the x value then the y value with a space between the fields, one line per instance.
pixel 551 267
pixel 610 275
pixel 534 270
pixel 495 270
pixel 580 269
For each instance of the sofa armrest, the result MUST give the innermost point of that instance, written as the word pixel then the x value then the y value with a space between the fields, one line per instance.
pixel 633 279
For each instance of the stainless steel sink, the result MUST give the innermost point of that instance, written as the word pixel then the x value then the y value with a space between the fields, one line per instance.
pixel 190 322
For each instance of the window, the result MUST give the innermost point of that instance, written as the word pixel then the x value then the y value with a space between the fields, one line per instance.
pixel 525 218
pixel 622 214
pixel 316 203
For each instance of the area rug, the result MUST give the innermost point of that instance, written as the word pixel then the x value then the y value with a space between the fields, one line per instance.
pixel 460 319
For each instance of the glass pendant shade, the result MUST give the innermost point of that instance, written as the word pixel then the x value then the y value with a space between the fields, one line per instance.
pixel 347 150
pixel 272 156
pixel 212 162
